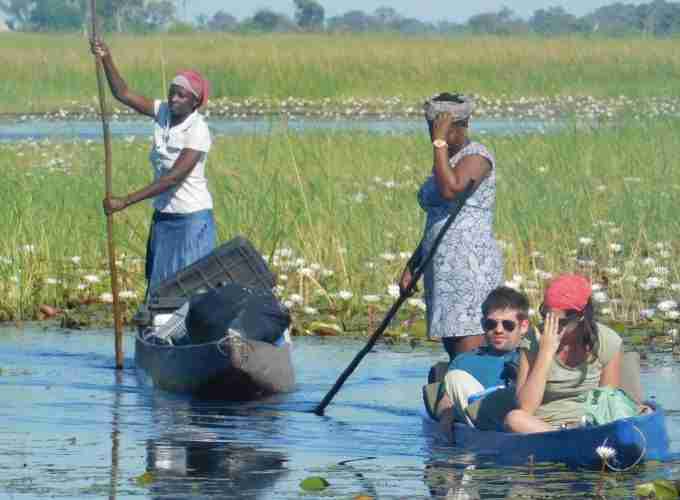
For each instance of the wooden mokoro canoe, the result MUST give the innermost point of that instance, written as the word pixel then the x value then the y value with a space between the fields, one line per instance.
pixel 233 368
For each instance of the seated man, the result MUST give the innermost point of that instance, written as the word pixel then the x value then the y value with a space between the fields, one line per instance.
pixel 470 391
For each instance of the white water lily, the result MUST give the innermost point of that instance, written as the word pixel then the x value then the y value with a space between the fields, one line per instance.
pixel 667 305
pixel 284 252
pixel 652 283
pixel 585 241
pixel 91 278
pixel 672 315
pixel 345 295
pixel 512 284
pixel 311 311
pixel 370 298
pixel 296 298
pixel 418 303
pixel 106 297
pixel 543 275
pixel 606 453
pixel 615 247
pixel 600 297
pixel 76 259
pixel 661 270
pixel 306 272
pixel 389 257
pixel 127 294
pixel 393 291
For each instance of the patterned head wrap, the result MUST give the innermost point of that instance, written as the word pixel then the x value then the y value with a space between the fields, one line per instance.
pixel 568 292
pixel 460 109
pixel 194 83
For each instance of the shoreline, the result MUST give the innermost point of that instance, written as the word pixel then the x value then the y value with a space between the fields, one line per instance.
pixel 539 108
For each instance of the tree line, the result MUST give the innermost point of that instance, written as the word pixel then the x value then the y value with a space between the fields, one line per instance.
pixel 656 18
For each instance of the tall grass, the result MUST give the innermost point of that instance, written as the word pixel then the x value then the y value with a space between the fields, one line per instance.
pixel 345 204
pixel 43 72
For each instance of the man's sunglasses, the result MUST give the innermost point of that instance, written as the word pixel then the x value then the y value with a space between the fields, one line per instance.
pixel 491 324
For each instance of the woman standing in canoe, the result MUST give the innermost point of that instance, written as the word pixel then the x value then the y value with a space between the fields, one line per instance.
pixel 468 263
pixel 182 228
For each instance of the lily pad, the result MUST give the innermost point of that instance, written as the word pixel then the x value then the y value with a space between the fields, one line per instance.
pixel 661 489
pixel 324 329
pixel 145 479
pixel 314 483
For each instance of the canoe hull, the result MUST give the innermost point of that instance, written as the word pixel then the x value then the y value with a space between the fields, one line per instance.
pixel 635 439
pixel 231 369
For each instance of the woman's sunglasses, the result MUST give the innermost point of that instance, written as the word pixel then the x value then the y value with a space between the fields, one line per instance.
pixel 491 324
pixel 562 322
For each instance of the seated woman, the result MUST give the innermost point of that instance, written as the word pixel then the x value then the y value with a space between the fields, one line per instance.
pixel 573 355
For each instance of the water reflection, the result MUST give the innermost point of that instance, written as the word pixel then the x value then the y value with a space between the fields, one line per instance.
pixel 199 464
pixel 196 455
pixel 115 434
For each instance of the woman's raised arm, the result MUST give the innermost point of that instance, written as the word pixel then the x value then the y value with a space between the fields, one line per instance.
pixel 118 87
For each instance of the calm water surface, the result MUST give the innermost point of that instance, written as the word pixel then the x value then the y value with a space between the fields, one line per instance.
pixel 73 427
pixel 38 129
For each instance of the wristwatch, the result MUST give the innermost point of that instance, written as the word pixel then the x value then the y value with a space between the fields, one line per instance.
pixel 439 143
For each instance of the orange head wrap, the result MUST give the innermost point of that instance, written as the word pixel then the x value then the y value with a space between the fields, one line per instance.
pixel 194 83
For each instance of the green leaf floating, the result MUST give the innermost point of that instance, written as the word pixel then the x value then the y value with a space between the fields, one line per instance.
pixel 660 489
pixel 314 483
pixel 145 479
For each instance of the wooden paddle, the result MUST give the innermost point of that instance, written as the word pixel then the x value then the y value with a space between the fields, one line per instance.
pixel 117 320
pixel 420 264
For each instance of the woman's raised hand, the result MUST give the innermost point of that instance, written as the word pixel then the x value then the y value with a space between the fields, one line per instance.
pixel 551 335
pixel 441 126
pixel 98 47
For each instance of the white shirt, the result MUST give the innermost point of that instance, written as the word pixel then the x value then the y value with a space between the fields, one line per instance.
pixel 192 194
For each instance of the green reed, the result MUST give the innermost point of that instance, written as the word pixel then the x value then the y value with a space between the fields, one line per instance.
pixel 345 203
pixel 45 72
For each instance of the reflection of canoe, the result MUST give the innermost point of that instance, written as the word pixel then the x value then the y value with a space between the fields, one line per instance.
pixel 241 365
pixel 200 466
pixel 233 368
pixel 634 439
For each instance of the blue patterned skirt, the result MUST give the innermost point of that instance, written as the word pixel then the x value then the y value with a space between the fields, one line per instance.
pixel 177 240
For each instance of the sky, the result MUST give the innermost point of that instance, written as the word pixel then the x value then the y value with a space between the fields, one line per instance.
pixel 427 10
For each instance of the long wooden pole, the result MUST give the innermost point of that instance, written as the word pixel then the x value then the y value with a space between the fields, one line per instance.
pixel 422 262
pixel 117 320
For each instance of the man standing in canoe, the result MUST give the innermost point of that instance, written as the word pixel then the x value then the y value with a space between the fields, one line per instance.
pixel 182 228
